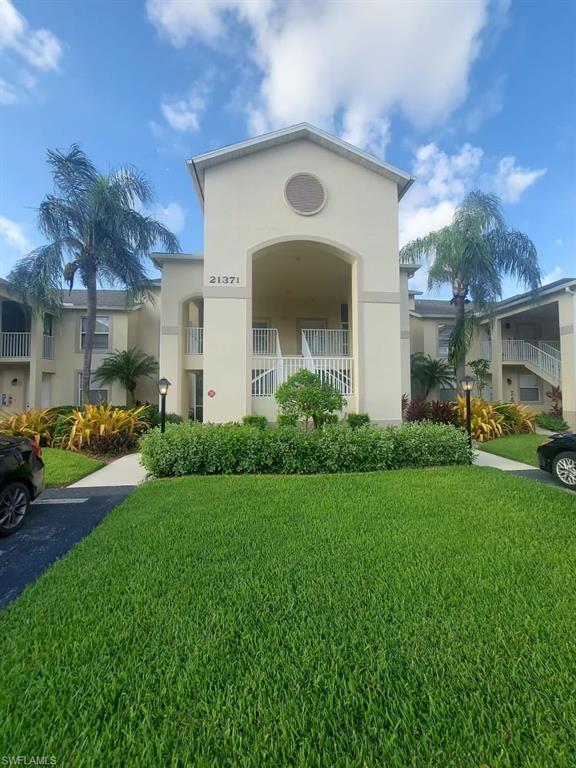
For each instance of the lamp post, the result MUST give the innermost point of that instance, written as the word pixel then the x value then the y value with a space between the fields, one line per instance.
pixel 467 384
pixel 163 385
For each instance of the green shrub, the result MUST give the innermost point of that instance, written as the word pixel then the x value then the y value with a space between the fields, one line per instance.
pixel 553 423
pixel 151 415
pixel 253 420
pixel 287 419
pixel 357 420
pixel 192 448
pixel 309 397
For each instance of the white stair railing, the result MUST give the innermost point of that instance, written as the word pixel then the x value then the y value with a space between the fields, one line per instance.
pixel 14 344
pixel 269 372
pixel 516 350
pixel 551 348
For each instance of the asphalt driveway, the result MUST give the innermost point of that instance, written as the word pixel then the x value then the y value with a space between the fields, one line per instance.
pixel 56 521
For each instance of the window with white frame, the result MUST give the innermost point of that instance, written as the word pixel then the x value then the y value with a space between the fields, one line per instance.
pixel 529 387
pixel 444 333
pixel 101 332
pixel 99 394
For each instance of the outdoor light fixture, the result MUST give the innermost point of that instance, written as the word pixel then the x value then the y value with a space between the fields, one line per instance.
pixel 467 383
pixel 163 385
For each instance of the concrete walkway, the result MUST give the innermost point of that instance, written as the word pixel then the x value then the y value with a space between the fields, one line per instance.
pixel 483 459
pixel 124 471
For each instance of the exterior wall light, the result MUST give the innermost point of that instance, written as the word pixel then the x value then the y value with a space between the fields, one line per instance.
pixel 163 386
pixel 467 383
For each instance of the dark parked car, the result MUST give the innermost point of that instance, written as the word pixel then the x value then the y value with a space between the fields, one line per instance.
pixel 558 455
pixel 21 480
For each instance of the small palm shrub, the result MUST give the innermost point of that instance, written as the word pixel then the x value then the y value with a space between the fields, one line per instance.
pixel 210 449
pixel 105 427
pixel 552 423
pixel 37 424
pixel 518 418
pixel 486 421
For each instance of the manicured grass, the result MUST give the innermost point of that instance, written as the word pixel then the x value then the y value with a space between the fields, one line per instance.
pixel 65 467
pixel 516 447
pixel 403 619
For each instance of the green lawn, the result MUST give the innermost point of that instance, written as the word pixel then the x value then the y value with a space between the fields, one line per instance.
pixel 421 618
pixel 516 447
pixel 65 467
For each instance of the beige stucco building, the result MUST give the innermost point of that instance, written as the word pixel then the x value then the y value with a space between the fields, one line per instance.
pixel 300 270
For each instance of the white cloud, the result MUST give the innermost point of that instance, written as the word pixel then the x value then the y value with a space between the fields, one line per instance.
pixel 343 66
pixel 559 243
pixel 442 180
pixel 172 216
pixel 39 47
pixel 553 275
pixel 13 235
pixel 511 180
pixel 8 94
pixel 184 114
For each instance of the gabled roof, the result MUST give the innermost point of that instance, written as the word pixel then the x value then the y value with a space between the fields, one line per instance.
pixel 197 165
pixel 159 258
pixel 530 296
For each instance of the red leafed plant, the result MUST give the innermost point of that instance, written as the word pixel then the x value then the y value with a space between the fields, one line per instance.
pixel 555 395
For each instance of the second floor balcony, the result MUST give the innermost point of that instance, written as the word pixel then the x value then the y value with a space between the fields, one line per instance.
pixel 314 342
pixel 17 345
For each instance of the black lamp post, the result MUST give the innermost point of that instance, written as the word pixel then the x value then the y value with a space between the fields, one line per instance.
pixel 467 384
pixel 163 385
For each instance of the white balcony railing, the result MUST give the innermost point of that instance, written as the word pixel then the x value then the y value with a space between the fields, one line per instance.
pixel 516 350
pixel 327 341
pixel 194 341
pixel 265 341
pixel 486 350
pixel 14 344
pixel 48 348
pixel 268 373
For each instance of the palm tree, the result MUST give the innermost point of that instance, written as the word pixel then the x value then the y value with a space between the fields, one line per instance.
pixel 95 234
pixel 429 372
pixel 126 367
pixel 472 255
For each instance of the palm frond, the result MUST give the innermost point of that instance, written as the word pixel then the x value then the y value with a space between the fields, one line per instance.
pixel 37 278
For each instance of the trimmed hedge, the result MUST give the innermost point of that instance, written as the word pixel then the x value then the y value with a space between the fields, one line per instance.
pixel 211 449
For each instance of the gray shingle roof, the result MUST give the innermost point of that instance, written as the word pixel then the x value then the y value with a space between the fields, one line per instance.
pixel 109 299
pixel 429 307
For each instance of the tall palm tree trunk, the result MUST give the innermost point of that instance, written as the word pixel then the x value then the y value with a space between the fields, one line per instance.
pixel 460 362
pixel 90 329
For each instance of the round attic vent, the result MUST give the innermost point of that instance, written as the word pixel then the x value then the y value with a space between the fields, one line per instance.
pixel 305 194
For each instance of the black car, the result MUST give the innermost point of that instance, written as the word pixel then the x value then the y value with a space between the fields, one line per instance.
pixel 558 455
pixel 21 480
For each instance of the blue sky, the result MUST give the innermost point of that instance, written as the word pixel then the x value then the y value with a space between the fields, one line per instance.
pixel 463 95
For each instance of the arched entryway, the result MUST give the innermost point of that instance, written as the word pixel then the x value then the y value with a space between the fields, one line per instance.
pixel 303 316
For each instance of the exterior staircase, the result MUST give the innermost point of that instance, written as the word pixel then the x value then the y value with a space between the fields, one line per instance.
pixel 541 358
